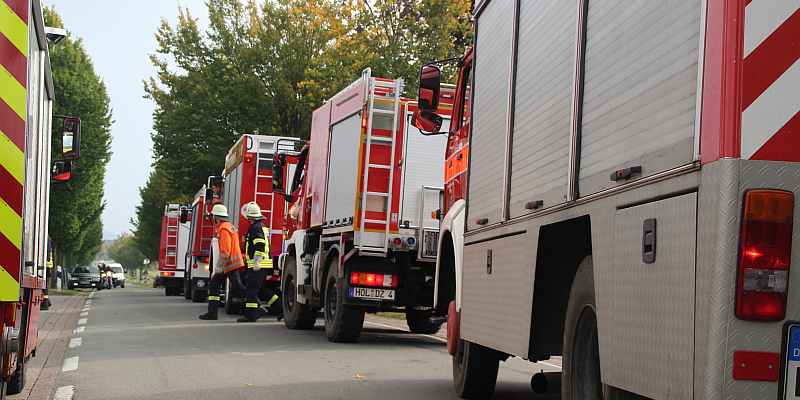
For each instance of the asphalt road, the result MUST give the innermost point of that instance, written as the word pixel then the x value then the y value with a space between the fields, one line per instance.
pixel 136 343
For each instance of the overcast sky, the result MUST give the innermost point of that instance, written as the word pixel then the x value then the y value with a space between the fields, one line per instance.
pixel 118 36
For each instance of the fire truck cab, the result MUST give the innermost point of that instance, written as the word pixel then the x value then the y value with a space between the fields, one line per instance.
pixel 174 243
pixel 197 268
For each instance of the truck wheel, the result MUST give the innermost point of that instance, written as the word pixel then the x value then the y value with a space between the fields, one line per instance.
pixel 16 382
pixel 122 285
pixel 198 296
pixel 474 370
pixel 187 290
pixel 343 323
pixel 230 308
pixel 419 322
pixel 581 363
pixel 167 291
pixel 295 315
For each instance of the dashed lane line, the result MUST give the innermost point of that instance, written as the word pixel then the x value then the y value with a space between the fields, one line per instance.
pixel 79 329
pixel 82 321
pixel 85 313
pixel 64 393
pixel 70 364
pixel 75 342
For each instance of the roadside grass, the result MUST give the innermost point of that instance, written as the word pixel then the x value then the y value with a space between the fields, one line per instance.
pixel 67 292
pixel 396 315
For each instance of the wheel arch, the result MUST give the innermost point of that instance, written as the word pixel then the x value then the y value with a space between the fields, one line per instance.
pixel 562 246
pixel 447 286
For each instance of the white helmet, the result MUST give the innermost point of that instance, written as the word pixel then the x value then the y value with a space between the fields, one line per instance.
pixel 252 210
pixel 220 212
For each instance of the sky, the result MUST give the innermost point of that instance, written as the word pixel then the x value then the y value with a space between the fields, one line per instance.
pixel 119 36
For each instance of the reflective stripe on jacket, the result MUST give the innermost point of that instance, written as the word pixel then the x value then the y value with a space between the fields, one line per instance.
pixel 229 246
pixel 257 244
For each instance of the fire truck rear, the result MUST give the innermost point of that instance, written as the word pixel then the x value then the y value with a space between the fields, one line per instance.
pixel 248 177
pixel 359 226
pixel 26 100
pixel 174 242
pixel 628 200
pixel 197 270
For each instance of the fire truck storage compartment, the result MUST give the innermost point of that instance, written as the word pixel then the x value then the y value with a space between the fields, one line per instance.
pixel 343 179
pixel 640 89
pixel 422 166
pixel 232 192
pixel 650 307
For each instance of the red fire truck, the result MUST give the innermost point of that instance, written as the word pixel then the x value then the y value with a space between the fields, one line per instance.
pixel 174 242
pixel 625 198
pixel 26 100
pixel 359 225
pixel 248 177
pixel 197 270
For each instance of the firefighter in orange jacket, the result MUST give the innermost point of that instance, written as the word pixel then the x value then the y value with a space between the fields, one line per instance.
pixel 229 262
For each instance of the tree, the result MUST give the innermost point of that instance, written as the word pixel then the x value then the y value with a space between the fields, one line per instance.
pixel 125 252
pixel 76 206
pixel 147 235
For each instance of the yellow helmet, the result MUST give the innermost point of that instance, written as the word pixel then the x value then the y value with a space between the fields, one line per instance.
pixel 252 211
pixel 220 212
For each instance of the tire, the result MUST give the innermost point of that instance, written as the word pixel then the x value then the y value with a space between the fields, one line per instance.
pixel 122 285
pixel 187 292
pixel 295 315
pixel 343 323
pixel 581 362
pixel 475 370
pixel 230 308
pixel 167 291
pixel 419 322
pixel 198 296
pixel 16 382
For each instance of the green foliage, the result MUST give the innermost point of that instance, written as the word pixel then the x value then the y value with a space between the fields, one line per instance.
pixel 264 68
pixel 76 206
pixel 125 252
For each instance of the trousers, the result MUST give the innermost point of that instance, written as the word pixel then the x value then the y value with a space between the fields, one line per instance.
pixel 215 287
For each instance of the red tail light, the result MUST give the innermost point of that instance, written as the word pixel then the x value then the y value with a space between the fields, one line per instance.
pixel 165 273
pixel 370 279
pixel 764 255
pixel 194 266
pixel 204 259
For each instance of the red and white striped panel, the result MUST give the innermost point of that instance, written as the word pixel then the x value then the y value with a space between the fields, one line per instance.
pixel 771 80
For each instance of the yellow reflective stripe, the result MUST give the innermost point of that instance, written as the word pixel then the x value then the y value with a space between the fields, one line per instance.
pixel 45 296
pixel 14 28
pixel 272 300
pixel 251 305
pixel 13 158
pixel 259 240
pixel 212 298
pixel 13 92
pixel 10 226
pixel 9 287
pixel 260 253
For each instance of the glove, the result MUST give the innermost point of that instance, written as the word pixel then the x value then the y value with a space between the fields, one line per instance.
pixel 218 268
pixel 257 263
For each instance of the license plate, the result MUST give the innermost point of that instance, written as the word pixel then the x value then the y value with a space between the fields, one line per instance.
pixel 790 362
pixel 367 293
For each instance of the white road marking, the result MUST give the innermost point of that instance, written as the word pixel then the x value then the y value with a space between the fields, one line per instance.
pixel 79 329
pixel 75 342
pixel 85 309
pixel 85 313
pixel 64 393
pixel 70 364
pixel 400 330
pixel 82 321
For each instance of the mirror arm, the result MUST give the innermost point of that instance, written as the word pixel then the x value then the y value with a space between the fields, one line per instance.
pixel 441 61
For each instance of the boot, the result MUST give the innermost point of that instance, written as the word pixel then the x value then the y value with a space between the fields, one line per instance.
pixel 245 319
pixel 209 315
pixel 280 316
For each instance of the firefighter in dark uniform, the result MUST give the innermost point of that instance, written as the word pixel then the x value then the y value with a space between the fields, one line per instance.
pixel 259 263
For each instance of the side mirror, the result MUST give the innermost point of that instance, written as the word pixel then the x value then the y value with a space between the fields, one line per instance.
pixel 209 194
pixel 288 198
pixel 427 122
pixel 429 82
pixel 62 171
pixel 184 215
pixel 71 139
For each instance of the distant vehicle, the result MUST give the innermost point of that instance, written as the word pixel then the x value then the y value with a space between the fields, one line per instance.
pixel 157 282
pixel 117 274
pixel 87 276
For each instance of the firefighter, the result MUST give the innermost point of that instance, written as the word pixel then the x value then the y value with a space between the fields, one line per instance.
pixel 229 262
pixel 259 263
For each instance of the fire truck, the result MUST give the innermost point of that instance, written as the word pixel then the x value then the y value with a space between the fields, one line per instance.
pixel 197 270
pixel 360 235
pixel 248 177
pixel 174 243
pixel 26 101
pixel 621 183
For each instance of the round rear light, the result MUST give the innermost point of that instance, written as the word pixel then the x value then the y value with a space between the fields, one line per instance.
pixel 411 241
pixel 194 266
pixel 397 242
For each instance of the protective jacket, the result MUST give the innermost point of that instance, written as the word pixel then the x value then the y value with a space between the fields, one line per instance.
pixel 257 244
pixel 228 246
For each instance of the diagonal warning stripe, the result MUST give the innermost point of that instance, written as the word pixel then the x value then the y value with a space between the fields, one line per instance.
pixel 14 28
pixel 13 92
pixel 9 287
pixel 10 224
pixel 13 159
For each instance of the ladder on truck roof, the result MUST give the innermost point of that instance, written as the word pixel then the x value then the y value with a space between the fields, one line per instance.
pixel 173 213
pixel 264 153
pixel 388 88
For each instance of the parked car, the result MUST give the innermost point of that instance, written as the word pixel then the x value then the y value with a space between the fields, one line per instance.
pixel 117 274
pixel 157 281
pixel 84 276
